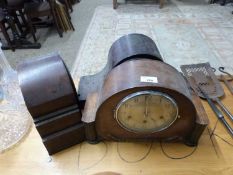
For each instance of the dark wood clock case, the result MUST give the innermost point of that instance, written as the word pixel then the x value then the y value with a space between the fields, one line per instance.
pixel 51 98
pixel 52 101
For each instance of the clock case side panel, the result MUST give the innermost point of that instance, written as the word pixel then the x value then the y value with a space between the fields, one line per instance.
pixel 50 97
pixel 201 121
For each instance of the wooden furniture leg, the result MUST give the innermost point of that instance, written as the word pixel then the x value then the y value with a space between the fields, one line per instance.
pixel 31 28
pixel 17 22
pixel 58 28
pixel 17 42
pixel 69 4
pixel 22 17
pixel 6 36
pixel 161 3
pixel 114 4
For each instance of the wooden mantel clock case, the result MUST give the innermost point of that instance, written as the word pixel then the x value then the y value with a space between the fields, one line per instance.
pixel 136 97
pixel 141 98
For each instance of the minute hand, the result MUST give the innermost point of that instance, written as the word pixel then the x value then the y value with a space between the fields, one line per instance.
pixel 146 112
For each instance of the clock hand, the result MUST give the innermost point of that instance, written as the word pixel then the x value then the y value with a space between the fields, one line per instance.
pixel 146 110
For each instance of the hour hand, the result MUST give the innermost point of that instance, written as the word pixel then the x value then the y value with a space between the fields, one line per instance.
pixel 146 108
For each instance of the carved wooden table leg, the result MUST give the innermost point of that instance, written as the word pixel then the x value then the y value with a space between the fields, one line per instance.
pixel 114 4
pixel 161 3
pixel 18 42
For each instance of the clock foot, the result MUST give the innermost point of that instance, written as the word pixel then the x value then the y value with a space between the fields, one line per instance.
pixel 90 133
pixel 193 138
pixel 93 142
pixel 190 143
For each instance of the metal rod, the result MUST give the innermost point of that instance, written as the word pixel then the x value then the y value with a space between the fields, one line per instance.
pixel 228 113
pixel 217 112
pixel 227 126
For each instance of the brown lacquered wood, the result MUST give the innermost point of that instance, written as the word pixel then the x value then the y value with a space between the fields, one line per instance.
pixel 124 80
pixel 51 98
pixel 88 117
pixel 128 47
pixel 58 123
pixel 129 58
pixel 201 121
pixel 90 108
pixel 64 139
pixel 46 85
pixel 133 46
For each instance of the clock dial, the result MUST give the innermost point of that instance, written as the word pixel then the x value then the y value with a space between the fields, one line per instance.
pixel 146 112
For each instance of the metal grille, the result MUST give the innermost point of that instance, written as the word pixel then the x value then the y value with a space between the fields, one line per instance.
pixel 202 75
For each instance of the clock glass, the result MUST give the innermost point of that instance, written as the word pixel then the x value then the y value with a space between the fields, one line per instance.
pixel 146 112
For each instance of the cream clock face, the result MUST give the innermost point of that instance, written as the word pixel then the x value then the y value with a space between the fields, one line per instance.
pixel 146 112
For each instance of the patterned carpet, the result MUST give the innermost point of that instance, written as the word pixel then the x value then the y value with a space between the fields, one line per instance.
pixel 184 34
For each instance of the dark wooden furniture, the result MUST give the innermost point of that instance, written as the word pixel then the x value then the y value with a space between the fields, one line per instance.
pixel 133 46
pixel 15 10
pixel 9 8
pixel 44 9
pixel 14 7
pixel 3 28
pixel 115 4
pixel 51 99
pixel 67 4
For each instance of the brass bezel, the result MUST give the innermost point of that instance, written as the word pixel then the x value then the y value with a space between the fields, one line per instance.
pixel 145 93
